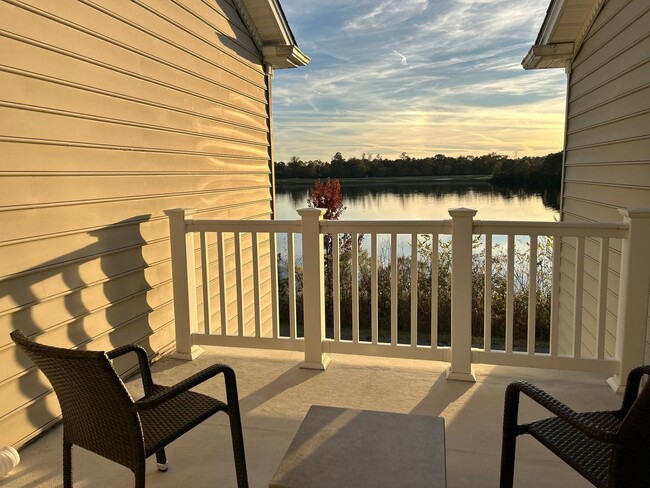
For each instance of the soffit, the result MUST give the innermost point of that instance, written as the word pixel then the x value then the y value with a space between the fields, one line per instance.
pixel 562 32
pixel 271 32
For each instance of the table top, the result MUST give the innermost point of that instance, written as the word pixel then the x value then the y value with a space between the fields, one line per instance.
pixel 339 447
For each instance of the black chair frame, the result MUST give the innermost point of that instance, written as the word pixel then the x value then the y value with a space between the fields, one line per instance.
pixel 100 415
pixel 611 449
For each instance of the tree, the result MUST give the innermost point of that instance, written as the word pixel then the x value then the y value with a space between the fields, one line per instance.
pixel 328 196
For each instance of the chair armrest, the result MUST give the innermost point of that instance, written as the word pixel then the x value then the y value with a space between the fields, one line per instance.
pixel 143 362
pixel 154 400
pixel 556 407
pixel 632 387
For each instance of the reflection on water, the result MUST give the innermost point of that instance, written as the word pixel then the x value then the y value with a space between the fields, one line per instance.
pixel 413 201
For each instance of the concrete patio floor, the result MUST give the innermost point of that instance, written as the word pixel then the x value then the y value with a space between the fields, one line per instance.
pixel 275 395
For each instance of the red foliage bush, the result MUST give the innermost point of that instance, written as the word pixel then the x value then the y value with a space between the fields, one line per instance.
pixel 327 195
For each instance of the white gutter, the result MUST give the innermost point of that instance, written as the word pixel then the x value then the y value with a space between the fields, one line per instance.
pixel 549 55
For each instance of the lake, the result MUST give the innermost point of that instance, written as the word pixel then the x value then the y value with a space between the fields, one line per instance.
pixel 371 200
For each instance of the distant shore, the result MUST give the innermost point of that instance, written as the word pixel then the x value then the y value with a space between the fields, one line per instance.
pixel 391 179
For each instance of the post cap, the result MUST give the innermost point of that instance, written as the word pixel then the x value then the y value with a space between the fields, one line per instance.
pixel 179 211
pixel 462 212
pixel 636 213
pixel 311 212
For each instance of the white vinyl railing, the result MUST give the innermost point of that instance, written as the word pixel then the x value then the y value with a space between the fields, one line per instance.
pixel 389 343
pixel 558 233
pixel 229 290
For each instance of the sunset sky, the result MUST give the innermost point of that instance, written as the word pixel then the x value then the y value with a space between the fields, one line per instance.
pixel 416 76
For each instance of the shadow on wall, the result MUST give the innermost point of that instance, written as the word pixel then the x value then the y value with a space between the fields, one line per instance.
pixel 92 298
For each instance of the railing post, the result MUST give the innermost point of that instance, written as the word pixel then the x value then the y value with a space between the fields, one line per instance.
pixel 313 291
pixel 461 295
pixel 632 315
pixel 184 283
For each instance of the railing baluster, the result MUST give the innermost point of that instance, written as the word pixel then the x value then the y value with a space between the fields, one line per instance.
pixel 205 278
pixel 487 298
pixel 414 290
pixel 256 284
pixel 240 285
pixel 602 296
pixel 275 316
pixel 223 303
pixel 434 290
pixel 355 288
pixel 336 287
pixel 555 296
pixel 510 294
pixel 393 289
pixel 532 294
pixel 374 294
pixel 291 270
pixel 577 298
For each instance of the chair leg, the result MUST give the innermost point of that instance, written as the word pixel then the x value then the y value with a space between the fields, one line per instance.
pixel 139 476
pixel 508 447
pixel 238 449
pixel 235 428
pixel 161 460
pixel 67 464
pixel 509 442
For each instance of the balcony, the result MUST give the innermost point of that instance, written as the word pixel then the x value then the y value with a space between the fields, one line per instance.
pixel 229 294
pixel 276 394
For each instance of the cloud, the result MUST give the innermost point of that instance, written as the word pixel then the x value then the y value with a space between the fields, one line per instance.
pixel 388 12
pixel 403 58
pixel 475 21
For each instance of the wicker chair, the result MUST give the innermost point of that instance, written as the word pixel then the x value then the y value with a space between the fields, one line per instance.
pixel 100 415
pixel 611 449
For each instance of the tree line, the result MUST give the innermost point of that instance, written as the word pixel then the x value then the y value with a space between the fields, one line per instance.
pixel 539 171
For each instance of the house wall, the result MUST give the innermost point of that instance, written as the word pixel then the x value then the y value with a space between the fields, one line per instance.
pixel 110 113
pixel 607 163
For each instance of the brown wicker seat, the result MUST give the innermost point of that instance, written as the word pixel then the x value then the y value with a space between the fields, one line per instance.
pixel 100 415
pixel 610 449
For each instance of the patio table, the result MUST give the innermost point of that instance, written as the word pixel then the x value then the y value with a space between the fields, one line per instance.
pixel 340 447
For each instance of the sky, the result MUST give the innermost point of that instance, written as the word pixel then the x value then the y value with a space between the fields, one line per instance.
pixel 423 77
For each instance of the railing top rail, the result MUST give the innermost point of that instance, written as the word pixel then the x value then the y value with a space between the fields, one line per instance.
pixel 560 229
pixel 386 226
pixel 505 227
pixel 206 225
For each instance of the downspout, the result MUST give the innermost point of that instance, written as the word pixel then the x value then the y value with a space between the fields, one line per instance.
pixel 566 138
pixel 269 108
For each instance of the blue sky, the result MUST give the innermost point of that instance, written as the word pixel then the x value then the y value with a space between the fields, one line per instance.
pixel 416 76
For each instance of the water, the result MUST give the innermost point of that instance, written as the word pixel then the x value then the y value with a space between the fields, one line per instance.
pixel 367 200
pixel 371 200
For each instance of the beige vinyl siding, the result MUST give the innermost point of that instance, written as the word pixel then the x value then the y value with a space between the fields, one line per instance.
pixel 607 153
pixel 110 113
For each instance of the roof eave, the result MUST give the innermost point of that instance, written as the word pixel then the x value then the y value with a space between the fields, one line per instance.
pixel 549 56
pixel 562 33
pixel 286 56
pixel 275 39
